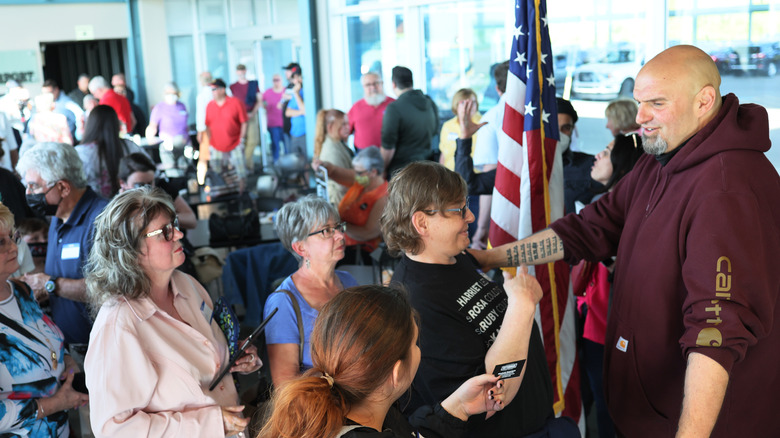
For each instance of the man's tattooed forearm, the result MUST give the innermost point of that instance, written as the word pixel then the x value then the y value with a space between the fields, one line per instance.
pixel 528 253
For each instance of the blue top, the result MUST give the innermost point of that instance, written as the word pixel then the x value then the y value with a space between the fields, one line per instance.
pixel 68 249
pixel 283 327
pixel 27 368
pixel 297 123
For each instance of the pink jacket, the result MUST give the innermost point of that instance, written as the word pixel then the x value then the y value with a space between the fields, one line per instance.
pixel 148 374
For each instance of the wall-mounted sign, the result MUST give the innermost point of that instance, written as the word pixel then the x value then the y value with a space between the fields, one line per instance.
pixel 85 32
pixel 19 65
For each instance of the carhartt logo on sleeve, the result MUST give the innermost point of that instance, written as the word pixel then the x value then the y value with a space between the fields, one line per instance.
pixel 622 344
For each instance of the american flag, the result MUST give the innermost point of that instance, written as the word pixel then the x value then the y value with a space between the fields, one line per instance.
pixel 528 194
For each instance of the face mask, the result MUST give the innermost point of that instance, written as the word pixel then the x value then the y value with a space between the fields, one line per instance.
pixel 171 99
pixel 362 180
pixel 38 249
pixel 39 206
pixel 565 140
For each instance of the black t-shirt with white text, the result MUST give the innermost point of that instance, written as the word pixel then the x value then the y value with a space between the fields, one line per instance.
pixel 461 312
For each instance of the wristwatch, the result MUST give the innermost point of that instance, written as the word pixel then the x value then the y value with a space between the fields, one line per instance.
pixel 50 285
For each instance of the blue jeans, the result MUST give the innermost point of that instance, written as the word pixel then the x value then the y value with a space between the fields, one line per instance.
pixel 276 139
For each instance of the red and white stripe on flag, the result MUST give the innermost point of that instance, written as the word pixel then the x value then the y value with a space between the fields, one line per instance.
pixel 528 194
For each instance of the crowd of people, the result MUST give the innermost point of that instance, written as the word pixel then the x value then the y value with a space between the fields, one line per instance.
pixel 671 231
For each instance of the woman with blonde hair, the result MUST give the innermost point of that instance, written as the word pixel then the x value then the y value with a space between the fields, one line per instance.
pixel 621 116
pixel 331 134
pixel 450 130
pixel 365 353
pixel 155 346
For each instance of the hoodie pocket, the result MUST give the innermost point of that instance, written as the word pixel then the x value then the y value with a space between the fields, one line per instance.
pixel 625 392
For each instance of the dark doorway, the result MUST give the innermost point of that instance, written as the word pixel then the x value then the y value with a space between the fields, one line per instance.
pixel 65 61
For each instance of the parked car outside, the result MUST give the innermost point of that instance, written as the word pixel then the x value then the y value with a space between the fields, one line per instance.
pixel 609 78
pixel 727 60
pixel 764 59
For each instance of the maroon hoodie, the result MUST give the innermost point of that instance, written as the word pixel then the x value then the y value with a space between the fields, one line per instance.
pixel 699 247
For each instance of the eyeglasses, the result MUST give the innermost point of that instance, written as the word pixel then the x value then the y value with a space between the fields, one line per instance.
pixel 372 84
pixel 6 241
pixel 167 231
pixel 329 231
pixel 139 185
pixel 33 187
pixel 462 210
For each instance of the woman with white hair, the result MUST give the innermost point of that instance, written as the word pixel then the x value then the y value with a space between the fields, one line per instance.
pixel 312 231
pixel 362 205
pixel 168 119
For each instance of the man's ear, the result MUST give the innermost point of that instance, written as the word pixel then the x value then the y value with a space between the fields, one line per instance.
pixel 63 187
pixel 420 222
pixel 705 100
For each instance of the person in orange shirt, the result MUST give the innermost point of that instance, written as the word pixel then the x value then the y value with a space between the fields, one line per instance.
pixel 362 205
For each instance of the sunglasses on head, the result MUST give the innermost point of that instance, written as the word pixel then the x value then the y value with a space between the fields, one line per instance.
pixel 167 231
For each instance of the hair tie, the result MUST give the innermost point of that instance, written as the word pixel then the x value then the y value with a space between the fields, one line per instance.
pixel 328 378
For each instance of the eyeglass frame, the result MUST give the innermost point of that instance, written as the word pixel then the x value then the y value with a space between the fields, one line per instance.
pixel 168 237
pixel 13 236
pixel 341 226
pixel 47 189
pixel 462 210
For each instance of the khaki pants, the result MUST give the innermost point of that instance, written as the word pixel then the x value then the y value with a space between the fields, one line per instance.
pixel 251 141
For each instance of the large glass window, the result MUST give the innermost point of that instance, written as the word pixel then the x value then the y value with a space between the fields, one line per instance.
pixel 216 56
pixel 374 45
pixel 461 44
pixel 183 64
pixel 598 48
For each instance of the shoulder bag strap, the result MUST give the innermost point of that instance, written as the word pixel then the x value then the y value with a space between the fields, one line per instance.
pixel 297 309
pixel 13 325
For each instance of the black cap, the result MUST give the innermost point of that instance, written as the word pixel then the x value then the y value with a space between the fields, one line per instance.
pixel 218 83
pixel 564 107
pixel 294 68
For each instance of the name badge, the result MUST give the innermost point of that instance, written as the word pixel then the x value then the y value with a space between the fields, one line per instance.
pixel 452 136
pixel 70 251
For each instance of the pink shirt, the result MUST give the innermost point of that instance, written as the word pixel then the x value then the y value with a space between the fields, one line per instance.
pixel 366 122
pixel 274 114
pixel 148 373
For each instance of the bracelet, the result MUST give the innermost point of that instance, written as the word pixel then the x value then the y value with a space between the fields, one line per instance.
pixel 41 412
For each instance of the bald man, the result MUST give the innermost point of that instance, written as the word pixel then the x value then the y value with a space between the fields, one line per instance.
pixel 693 334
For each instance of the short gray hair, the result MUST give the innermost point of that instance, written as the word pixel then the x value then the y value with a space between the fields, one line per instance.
pixel 172 85
pixel 295 220
pixel 112 269
pixel 370 158
pixel 54 162
pixel 371 73
pixel 97 83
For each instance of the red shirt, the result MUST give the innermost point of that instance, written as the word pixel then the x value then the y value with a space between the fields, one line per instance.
pixel 224 122
pixel 239 91
pixel 366 122
pixel 121 105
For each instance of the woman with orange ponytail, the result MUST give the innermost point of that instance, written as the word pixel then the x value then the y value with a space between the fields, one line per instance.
pixel 365 355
